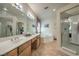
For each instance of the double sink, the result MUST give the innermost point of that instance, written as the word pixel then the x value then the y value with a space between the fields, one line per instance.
pixel 11 43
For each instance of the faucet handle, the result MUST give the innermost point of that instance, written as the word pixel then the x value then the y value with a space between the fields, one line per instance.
pixel 16 38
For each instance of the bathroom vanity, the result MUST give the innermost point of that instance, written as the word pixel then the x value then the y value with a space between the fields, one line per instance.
pixel 13 26
pixel 20 45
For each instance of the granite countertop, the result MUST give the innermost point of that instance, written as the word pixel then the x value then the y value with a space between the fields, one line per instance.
pixel 9 44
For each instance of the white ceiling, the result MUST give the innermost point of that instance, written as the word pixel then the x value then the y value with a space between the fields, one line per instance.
pixel 71 12
pixel 39 10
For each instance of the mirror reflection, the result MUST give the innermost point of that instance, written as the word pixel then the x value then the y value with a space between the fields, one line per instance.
pixel 16 21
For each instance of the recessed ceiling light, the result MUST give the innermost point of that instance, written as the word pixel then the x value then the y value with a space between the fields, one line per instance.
pixel 54 9
pixel 5 9
pixel 13 4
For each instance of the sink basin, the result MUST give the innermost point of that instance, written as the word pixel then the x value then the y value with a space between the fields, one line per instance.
pixel 28 35
pixel 6 44
pixel 11 43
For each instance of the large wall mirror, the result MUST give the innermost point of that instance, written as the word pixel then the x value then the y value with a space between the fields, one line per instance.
pixel 14 21
pixel 10 18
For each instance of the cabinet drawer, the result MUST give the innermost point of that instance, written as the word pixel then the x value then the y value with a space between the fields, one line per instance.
pixel 38 43
pixel 12 53
pixel 24 46
pixel 26 52
pixel 23 53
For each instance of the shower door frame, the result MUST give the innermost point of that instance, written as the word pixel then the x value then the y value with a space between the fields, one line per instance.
pixel 59 37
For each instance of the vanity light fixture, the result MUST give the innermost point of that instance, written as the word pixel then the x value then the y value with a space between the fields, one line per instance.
pixel 30 15
pixel 18 6
pixel 5 9
pixel 13 5
pixel 66 21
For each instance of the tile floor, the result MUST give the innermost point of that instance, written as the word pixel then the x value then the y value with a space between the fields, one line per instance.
pixel 48 49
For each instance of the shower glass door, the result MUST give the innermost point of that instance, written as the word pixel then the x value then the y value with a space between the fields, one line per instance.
pixel 70 30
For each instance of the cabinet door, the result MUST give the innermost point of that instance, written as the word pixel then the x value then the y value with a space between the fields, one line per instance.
pixel 23 53
pixel 38 42
pixel 24 46
pixel 34 39
pixel 26 52
pixel 12 53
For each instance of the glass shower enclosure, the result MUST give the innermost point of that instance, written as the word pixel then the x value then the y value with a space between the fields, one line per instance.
pixel 70 30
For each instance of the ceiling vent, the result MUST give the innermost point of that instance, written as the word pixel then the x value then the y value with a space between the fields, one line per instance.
pixel 46 8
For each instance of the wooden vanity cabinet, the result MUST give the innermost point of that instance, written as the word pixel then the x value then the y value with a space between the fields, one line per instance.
pixel 25 49
pixel 35 43
pixel 26 52
pixel 34 39
pixel 12 53
pixel 38 41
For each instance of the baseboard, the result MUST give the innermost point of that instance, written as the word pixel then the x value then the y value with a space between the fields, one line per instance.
pixel 68 51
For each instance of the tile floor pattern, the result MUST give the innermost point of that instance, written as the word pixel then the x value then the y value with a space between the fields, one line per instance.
pixel 48 49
